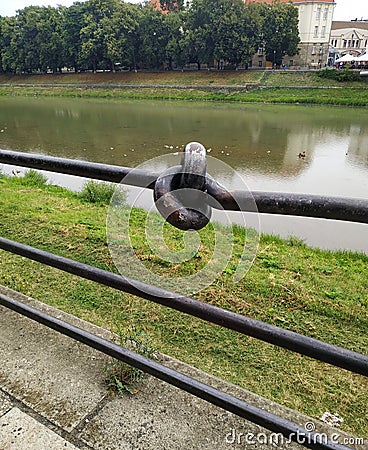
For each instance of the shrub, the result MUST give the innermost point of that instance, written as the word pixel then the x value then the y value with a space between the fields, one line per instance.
pixel 98 193
pixel 339 75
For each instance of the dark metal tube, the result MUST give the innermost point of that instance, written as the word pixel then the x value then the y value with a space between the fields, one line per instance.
pixel 103 172
pixel 317 206
pixel 228 402
pixel 337 356
pixel 334 208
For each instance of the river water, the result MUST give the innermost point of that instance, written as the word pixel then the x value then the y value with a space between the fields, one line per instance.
pixel 261 142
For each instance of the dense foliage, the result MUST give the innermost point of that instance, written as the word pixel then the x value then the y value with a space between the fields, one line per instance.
pixel 339 75
pixel 111 34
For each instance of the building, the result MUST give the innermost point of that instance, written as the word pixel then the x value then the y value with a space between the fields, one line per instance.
pixel 315 22
pixel 348 38
pixel 321 39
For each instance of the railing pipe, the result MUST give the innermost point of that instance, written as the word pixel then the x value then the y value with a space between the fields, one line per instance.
pixel 337 356
pixel 103 172
pixel 316 206
pixel 239 407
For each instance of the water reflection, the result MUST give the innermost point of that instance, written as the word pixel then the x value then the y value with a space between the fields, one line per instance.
pixel 261 142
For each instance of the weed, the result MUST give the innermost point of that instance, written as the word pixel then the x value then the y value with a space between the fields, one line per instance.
pixel 34 179
pixel 98 193
pixel 294 241
pixel 120 376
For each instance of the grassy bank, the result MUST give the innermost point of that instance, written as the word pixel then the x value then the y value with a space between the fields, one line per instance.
pixel 318 293
pixel 263 87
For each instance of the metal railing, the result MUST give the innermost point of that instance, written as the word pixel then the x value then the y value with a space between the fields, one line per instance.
pixel 303 205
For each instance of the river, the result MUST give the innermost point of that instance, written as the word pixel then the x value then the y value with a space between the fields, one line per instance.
pixel 261 142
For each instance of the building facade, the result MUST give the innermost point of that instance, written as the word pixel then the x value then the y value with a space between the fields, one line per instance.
pixel 315 22
pixel 348 38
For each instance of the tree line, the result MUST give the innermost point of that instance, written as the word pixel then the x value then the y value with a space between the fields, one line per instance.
pixel 111 34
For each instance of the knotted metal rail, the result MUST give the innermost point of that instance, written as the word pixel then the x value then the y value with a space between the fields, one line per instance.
pixel 186 212
pixel 336 208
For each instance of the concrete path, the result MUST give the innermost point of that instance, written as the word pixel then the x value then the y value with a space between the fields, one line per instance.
pixel 53 396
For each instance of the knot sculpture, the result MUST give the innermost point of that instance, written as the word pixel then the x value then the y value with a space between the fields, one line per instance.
pixel 180 192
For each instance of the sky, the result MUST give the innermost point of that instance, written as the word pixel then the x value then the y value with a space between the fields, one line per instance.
pixel 344 10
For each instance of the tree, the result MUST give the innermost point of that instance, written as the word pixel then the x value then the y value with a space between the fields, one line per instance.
pixel 220 30
pixel 72 23
pixel 175 45
pixel 108 34
pixel 8 51
pixel 279 29
pixel 25 40
pixel 235 41
pixel 198 42
pixel 33 40
pixel 91 34
pixel 154 37
pixel 49 38
pixel 117 31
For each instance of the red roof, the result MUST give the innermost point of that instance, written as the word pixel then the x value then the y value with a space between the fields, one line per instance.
pixel 157 6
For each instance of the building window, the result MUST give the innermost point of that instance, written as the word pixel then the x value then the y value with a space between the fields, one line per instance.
pixel 349 43
pixel 358 44
pixel 325 14
pixel 321 49
pixel 291 63
pixel 260 50
pixel 323 32
pixel 344 43
pixel 316 31
pixel 260 64
pixel 318 13
pixel 313 49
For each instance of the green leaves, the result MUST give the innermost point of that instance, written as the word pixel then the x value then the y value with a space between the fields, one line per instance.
pixel 108 34
pixel 278 29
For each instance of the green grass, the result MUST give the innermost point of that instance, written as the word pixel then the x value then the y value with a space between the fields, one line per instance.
pixel 309 80
pixel 338 97
pixel 186 78
pixel 318 293
pixel 271 87
pixel 348 97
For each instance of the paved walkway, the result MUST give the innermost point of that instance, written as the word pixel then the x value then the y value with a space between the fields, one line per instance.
pixel 53 396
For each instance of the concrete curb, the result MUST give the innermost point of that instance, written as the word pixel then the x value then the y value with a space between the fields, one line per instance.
pixel 53 396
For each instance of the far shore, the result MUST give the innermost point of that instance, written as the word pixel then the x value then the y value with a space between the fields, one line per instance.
pixel 247 86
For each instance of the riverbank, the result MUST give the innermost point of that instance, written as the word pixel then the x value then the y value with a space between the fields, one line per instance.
pixel 318 293
pixel 236 86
